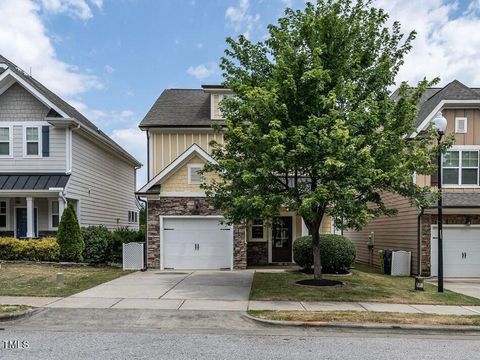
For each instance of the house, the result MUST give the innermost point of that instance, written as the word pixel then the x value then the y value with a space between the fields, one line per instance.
pixel 415 229
pixel 51 156
pixel 183 230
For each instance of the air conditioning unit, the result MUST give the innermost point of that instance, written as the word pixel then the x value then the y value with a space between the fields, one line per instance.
pixel 401 262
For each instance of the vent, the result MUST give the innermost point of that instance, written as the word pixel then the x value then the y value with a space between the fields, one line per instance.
pixel 194 175
pixel 461 125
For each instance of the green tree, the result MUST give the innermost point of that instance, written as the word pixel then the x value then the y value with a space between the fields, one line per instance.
pixel 312 126
pixel 69 236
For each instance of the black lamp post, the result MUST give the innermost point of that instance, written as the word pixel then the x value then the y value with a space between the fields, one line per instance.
pixel 440 123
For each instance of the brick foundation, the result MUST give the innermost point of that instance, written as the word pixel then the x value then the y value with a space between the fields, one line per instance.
pixel 186 206
pixel 257 253
pixel 431 219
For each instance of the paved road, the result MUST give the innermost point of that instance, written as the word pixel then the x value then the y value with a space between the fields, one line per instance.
pixel 149 334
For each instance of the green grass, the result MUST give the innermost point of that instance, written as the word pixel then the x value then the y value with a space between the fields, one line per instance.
pixel 4 309
pixel 367 317
pixel 40 279
pixel 364 285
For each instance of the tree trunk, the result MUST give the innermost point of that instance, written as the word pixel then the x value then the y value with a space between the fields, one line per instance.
pixel 317 259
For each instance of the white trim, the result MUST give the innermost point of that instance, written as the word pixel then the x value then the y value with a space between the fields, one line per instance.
pixel 179 161
pixel 291 214
pixel 183 194
pixel 460 167
pixel 465 121
pixel 151 153
pixel 8 85
pixel 7 214
pixel 426 121
pixel 33 91
pixel 162 217
pixel 10 141
pixel 265 232
pixel 50 214
pixel 68 150
pixel 189 170
pixel 39 141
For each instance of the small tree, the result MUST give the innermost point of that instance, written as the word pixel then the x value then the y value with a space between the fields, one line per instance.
pixel 69 236
pixel 312 126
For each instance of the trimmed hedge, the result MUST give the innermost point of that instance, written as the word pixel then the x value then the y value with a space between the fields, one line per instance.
pixel 70 237
pixel 337 252
pixel 96 239
pixel 46 249
pixel 119 237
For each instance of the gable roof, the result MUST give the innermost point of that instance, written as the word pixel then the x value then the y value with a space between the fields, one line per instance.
pixel 181 160
pixel 59 107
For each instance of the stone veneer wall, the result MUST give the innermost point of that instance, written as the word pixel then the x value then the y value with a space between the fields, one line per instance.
pixel 187 206
pixel 431 219
pixel 257 253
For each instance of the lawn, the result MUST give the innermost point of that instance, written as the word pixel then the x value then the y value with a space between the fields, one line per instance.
pixel 364 284
pixel 4 309
pixel 367 317
pixel 40 279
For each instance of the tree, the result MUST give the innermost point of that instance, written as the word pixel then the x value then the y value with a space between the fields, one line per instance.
pixel 312 126
pixel 69 236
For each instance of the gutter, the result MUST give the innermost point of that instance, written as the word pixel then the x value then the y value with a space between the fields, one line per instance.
pixel 146 233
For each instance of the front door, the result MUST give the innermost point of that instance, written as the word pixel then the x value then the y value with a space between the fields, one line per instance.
pixel 21 221
pixel 282 239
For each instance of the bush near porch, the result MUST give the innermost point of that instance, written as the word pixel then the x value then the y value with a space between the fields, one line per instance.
pixel 46 249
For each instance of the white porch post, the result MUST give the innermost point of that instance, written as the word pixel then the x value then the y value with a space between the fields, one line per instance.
pixel 61 207
pixel 30 223
pixel 304 229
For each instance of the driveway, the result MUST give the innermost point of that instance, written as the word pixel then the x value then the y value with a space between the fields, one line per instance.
pixel 470 287
pixel 189 290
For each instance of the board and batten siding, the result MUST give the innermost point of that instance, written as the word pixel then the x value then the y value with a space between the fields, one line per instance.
pixel 17 108
pixel 103 183
pixel 397 232
pixel 168 145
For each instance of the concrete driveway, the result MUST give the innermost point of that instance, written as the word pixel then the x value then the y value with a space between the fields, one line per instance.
pixel 189 290
pixel 470 287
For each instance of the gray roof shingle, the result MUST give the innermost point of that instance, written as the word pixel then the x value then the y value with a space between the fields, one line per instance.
pixel 64 106
pixel 20 181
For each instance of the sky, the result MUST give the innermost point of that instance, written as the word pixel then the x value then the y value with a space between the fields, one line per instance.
pixel 111 59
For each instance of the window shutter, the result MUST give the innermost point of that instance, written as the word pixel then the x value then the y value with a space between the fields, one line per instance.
pixel 45 141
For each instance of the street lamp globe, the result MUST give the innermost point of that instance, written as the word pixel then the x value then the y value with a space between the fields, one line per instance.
pixel 439 122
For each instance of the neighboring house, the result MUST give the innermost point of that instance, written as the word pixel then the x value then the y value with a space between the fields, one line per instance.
pixel 415 229
pixel 51 155
pixel 183 229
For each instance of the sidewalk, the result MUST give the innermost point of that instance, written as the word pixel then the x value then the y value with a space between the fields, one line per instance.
pixel 236 305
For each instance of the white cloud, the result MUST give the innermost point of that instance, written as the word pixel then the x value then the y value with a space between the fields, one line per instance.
pixel 108 69
pixel 240 19
pixel 135 142
pixel 126 113
pixel 24 40
pixel 446 46
pixel 203 71
pixel 81 9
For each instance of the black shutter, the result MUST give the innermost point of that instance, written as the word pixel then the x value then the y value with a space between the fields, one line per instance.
pixel 46 141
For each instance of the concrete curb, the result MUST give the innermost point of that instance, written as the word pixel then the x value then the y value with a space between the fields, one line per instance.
pixel 365 326
pixel 19 314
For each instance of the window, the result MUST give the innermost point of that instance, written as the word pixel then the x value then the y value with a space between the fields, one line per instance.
pixel 461 125
pixel 132 217
pixel 32 141
pixel 54 214
pixel 194 176
pixel 5 141
pixel 257 229
pixel 3 214
pixel 460 167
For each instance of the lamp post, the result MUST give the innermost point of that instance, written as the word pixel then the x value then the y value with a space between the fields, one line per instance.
pixel 440 124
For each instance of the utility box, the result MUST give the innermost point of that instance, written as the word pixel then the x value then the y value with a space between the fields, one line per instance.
pixel 401 262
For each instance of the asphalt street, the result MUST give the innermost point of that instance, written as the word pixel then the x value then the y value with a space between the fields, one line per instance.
pixel 150 334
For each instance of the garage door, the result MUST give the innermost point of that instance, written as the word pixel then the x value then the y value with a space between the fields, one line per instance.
pixel 461 251
pixel 196 243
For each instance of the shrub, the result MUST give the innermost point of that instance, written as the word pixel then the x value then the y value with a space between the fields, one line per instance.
pixel 46 249
pixel 338 253
pixel 96 240
pixel 69 236
pixel 119 237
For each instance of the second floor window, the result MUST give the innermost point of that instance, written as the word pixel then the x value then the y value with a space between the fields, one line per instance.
pixel 5 141
pixel 460 167
pixel 32 141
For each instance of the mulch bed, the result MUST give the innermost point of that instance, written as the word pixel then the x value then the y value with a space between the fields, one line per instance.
pixel 321 282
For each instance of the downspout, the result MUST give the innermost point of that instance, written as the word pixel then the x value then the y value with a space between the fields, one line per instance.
pixel 419 242
pixel 146 233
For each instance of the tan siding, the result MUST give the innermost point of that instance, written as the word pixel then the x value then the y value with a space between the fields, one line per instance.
pixel 472 137
pixel 395 233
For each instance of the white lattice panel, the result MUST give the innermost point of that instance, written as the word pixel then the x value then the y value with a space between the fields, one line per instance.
pixel 133 256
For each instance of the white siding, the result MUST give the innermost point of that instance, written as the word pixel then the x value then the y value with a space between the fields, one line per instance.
pixel 103 183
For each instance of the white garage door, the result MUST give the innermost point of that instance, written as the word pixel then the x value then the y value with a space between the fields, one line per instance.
pixel 196 243
pixel 461 251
